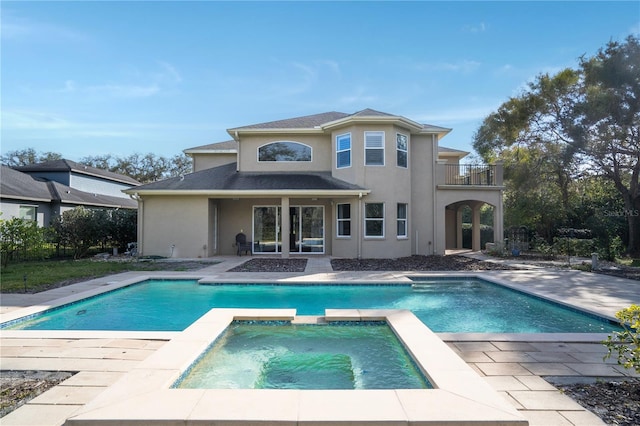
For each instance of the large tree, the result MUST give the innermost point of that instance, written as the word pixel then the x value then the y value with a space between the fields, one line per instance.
pixel 144 168
pixel 24 157
pixel 606 126
pixel 573 124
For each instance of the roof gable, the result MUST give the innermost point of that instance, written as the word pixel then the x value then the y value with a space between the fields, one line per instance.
pixel 320 123
pixel 21 186
pixel 71 166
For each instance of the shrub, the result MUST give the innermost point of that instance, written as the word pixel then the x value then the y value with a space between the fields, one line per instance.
pixel 18 235
pixel 626 343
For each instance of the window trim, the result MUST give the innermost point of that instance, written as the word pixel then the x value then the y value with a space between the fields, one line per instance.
pixel 405 220
pixel 339 219
pixel 406 151
pixel 350 150
pixel 382 148
pixel 285 161
pixel 382 219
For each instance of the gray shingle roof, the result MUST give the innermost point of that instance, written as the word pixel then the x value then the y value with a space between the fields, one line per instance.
pixel 226 145
pixel 72 166
pixel 316 120
pixel 226 178
pixel 17 185
pixel 307 121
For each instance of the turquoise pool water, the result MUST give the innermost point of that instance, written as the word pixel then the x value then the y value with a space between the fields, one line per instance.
pixel 467 305
pixel 293 356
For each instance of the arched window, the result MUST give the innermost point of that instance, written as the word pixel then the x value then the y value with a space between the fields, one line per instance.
pixel 284 151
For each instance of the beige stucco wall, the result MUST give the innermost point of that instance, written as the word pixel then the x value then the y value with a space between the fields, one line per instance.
pixel 208 161
pixel 422 152
pixel 178 221
pixel 320 153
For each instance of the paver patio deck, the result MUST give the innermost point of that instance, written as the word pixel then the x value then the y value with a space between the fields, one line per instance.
pixel 514 365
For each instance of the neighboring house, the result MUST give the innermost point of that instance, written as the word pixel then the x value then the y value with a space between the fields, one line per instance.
pixel 366 185
pixel 42 191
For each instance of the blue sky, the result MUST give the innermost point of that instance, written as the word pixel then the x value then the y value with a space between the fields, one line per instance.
pixel 91 78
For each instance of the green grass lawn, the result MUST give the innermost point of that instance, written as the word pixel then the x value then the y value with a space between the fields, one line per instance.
pixel 44 275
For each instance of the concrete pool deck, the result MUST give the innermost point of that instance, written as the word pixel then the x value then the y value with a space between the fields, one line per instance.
pixel 512 364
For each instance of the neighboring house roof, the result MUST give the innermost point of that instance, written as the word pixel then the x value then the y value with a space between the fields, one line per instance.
pixel 72 166
pixel 324 121
pixel 21 186
pixel 15 184
pixel 225 179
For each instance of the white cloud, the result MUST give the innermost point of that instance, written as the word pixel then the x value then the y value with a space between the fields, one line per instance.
pixel 170 73
pixel 463 66
pixel 475 28
pixel 458 115
pixel 16 28
pixel 149 84
pixel 124 90
pixel 29 120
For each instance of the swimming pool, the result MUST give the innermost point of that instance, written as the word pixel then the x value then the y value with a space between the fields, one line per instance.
pixel 460 305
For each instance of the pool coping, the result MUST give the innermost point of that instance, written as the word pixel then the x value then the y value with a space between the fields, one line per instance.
pixel 459 396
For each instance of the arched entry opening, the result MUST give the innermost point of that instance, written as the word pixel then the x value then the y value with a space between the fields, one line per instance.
pixel 470 224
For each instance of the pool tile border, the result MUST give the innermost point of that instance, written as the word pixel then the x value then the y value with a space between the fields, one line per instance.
pixel 460 395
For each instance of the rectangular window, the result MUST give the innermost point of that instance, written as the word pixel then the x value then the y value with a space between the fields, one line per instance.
pixel 374 220
pixel 28 213
pixel 374 148
pixel 402 220
pixel 402 150
pixel 343 150
pixel 344 220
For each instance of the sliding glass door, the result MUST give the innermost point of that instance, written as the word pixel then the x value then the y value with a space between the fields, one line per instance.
pixel 306 234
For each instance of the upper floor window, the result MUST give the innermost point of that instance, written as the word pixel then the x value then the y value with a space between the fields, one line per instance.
pixel 374 220
pixel 344 220
pixel 284 151
pixel 402 149
pixel 374 148
pixel 343 150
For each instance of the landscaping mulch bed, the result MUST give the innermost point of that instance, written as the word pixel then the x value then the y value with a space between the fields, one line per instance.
pixel 19 387
pixel 417 263
pixel 615 402
pixel 271 265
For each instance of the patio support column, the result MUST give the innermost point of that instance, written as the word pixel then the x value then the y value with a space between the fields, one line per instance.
pixel 475 226
pixel 286 227
pixel 459 227
pixel 498 223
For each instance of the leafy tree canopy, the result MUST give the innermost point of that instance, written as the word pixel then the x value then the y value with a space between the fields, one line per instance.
pixel 568 128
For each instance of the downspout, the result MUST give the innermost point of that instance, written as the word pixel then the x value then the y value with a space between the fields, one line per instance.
pixel 238 154
pixel 434 192
pixel 360 219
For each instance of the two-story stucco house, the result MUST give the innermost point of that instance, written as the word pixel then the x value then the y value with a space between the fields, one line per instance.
pixel 366 185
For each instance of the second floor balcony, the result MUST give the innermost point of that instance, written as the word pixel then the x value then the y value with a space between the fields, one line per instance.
pixel 469 175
